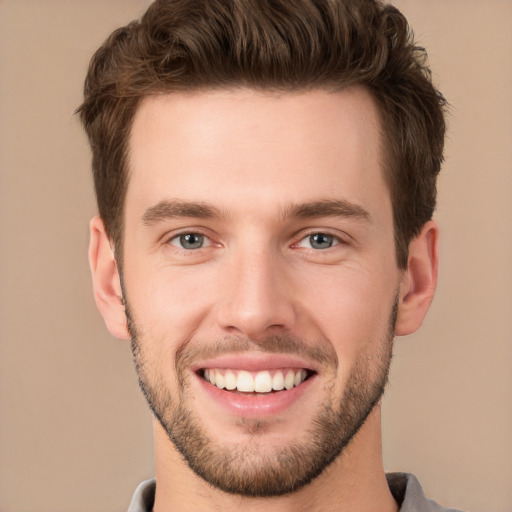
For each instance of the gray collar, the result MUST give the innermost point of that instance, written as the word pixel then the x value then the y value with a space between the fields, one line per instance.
pixel 405 488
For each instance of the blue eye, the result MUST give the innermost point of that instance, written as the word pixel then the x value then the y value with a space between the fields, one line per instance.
pixel 319 241
pixel 189 241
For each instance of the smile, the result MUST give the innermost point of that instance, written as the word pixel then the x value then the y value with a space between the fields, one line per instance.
pixel 255 385
pixel 265 381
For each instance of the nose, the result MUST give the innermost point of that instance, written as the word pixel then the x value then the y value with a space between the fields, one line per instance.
pixel 258 298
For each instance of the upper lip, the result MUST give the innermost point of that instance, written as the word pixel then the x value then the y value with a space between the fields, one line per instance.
pixel 254 362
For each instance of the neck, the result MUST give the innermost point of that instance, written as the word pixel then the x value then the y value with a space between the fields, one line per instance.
pixel 355 481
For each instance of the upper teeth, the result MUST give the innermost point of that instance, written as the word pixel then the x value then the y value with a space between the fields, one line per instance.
pixel 259 382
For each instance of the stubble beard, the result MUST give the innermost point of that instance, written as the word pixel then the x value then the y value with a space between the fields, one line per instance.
pixel 248 470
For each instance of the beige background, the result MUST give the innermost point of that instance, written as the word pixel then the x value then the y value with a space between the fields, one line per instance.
pixel 74 432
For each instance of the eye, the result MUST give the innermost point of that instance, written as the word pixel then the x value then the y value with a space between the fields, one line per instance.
pixel 319 241
pixel 190 241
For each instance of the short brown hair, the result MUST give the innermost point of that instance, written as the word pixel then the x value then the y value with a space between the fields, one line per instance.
pixel 280 45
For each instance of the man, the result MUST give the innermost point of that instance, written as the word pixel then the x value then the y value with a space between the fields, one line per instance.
pixel 266 176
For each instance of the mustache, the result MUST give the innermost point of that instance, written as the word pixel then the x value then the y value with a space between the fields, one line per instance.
pixel 322 353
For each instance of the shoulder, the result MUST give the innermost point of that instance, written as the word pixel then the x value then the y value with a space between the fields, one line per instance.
pixel 409 495
pixel 143 497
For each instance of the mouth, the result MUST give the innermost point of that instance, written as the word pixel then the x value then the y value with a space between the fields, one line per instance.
pixel 255 385
pixel 261 382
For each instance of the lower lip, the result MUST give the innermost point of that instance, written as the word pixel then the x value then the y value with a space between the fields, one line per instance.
pixel 254 405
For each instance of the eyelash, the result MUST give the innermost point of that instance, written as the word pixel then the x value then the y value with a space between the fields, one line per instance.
pixel 207 242
pixel 332 239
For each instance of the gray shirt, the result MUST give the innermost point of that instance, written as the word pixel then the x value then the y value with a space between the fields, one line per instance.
pixel 405 488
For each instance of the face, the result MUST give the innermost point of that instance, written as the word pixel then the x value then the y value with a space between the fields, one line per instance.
pixel 260 278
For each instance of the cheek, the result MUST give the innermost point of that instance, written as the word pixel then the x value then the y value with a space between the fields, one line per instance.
pixel 358 330
pixel 352 312
pixel 169 304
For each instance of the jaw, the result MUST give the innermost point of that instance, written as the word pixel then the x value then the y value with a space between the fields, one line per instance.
pixel 353 479
pixel 268 443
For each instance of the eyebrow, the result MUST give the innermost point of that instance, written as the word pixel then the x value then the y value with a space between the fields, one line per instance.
pixel 326 208
pixel 173 208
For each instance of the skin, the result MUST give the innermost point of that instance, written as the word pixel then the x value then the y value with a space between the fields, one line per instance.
pixel 252 157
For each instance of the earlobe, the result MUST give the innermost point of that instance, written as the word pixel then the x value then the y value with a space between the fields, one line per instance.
pixel 106 281
pixel 419 280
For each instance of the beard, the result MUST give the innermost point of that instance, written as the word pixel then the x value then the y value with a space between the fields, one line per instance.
pixel 248 470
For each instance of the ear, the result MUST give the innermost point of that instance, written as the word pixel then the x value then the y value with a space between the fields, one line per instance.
pixel 106 282
pixel 419 280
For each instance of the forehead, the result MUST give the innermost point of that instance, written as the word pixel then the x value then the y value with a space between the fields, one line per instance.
pixel 267 148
